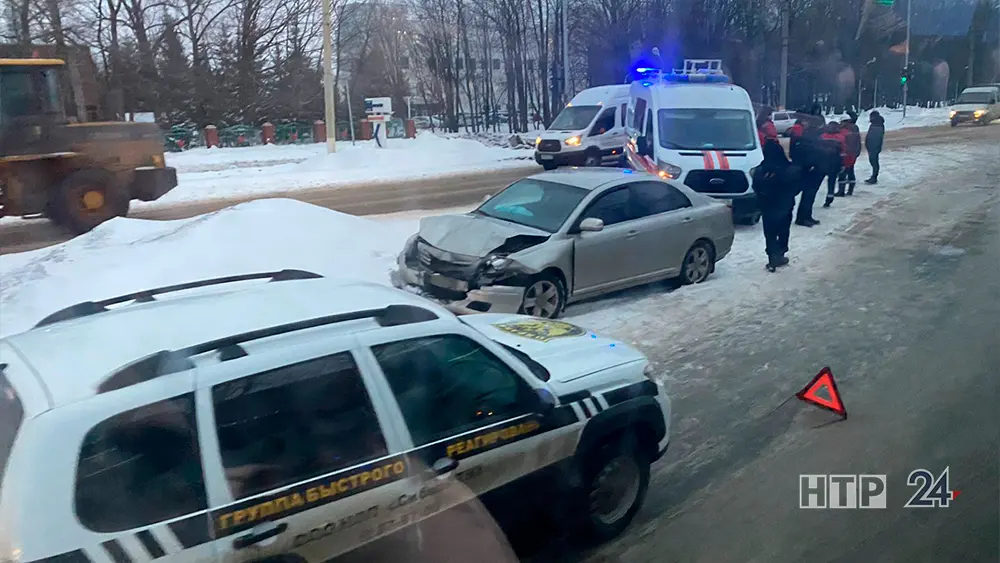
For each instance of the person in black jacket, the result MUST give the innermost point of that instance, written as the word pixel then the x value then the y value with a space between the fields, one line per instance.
pixel 774 183
pixel 873 143
pixel 806 153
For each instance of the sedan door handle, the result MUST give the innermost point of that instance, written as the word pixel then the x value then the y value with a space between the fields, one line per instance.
pixel 255 538
pixel 631 234
pixel 688 219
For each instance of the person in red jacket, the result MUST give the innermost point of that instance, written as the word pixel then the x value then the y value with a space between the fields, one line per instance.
pixel 835 139
pixel 852 145
pixel 765 126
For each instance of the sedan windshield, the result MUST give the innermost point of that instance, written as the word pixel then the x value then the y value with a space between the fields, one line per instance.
pixel 974 98
pixel 706 129
pixel 535 203
pixel 573 118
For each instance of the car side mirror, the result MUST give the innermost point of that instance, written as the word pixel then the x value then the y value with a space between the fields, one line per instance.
pixel 444 466
pixel 546 401
pixel 592 224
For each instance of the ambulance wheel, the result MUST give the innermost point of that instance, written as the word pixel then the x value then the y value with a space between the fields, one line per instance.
pixel 549 165
pixel 592 158
pixel 615 478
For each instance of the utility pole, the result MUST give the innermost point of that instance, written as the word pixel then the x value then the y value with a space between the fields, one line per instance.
pixel 783 92
pixel 329 96
pixel 565 53
pixel 906 62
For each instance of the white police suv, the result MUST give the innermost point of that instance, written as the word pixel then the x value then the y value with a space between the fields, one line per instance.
pixel 293 419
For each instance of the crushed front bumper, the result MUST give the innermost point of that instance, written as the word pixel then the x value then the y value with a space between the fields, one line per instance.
pixel 456 294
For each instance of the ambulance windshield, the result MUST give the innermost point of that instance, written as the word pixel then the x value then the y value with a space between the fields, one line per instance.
pixel 701 129
pixel 574 118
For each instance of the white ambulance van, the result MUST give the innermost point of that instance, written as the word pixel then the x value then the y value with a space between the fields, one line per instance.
pixel 694 126
pixel 589 131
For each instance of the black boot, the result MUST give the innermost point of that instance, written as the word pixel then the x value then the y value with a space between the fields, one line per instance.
pixel 779 261
pixel 828 202
pixel 871 181
pixel 839 193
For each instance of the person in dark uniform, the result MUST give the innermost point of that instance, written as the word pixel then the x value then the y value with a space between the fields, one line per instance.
pixel 774 183
pixel 873 143
pixel 806 155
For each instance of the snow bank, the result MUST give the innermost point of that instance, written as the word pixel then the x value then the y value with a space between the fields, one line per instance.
pixel 915 117
pixel 241 172
pixel 126 255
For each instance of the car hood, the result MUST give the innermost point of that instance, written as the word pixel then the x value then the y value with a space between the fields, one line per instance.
pixel 967 107
pixel 569 352
pixel 473 235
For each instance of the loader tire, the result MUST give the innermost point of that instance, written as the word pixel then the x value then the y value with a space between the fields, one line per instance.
pixel 86 198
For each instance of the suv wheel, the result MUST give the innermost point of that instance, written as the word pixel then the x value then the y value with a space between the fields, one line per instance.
pixel 544 296
pixel 698 263
pixel 615 480
pixel 593 158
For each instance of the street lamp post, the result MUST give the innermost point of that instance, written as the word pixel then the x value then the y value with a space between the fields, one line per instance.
pixel 329 96
pixel 906 62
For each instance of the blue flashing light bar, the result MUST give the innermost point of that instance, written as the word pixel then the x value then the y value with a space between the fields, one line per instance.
pixel 699 77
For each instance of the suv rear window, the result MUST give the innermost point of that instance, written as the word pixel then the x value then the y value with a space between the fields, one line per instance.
pixel 140 467
pixel 11 414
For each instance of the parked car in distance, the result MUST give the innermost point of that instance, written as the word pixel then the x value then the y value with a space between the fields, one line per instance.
pixel 783 121
pixel 561 236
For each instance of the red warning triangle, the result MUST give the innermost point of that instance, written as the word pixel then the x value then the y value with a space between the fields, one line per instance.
pixel 823 382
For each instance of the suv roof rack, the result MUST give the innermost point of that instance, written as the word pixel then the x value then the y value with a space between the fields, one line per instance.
pixel 87 308
pixel 166 362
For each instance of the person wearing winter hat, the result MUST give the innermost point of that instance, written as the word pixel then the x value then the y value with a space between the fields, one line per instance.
pixel 834 141
pixel 873 143
pixel 852 140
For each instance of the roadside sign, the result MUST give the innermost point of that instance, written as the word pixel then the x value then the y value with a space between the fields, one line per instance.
pixel 378 106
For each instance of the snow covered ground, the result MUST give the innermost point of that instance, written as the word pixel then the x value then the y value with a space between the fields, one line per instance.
pixel 223 173
pixel 206 174
pixel 915 117
pixel 125 255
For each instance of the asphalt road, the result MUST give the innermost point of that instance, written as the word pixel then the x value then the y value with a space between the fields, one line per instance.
pixel 905 308
pixel 379 198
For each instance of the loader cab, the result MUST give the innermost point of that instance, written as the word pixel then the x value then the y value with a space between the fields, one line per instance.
pixel 31 107
pixel 29 89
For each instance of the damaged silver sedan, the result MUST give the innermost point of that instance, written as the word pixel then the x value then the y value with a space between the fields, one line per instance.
pixel 558 237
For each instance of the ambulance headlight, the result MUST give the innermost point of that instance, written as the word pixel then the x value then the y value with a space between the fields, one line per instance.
pixel 668 171
pixel 952 114
pixel 573 141
pixel 538 141
pixel 979 113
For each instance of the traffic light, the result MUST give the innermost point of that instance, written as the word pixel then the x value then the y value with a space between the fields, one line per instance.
pixel 906 75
